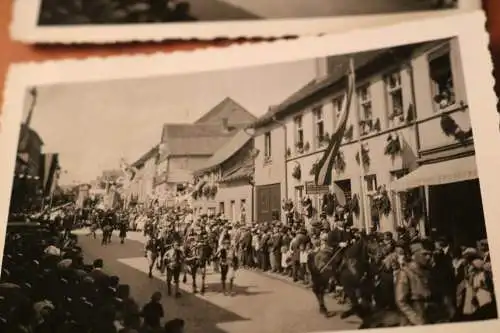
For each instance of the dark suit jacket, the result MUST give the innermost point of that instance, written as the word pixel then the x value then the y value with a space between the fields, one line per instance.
pixel 101 279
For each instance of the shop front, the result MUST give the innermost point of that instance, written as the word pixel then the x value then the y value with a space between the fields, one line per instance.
pixel 453 205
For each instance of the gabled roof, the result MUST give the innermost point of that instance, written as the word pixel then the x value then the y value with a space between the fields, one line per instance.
pixel 230 148
pixel 141 160
pixel 187 139
pixel 228 108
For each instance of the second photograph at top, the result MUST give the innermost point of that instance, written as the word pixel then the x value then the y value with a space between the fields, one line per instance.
pixel 50 21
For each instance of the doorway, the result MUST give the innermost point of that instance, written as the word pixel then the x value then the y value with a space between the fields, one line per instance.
pixel 456 212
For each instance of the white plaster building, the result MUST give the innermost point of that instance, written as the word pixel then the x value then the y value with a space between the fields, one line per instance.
pixel 395 100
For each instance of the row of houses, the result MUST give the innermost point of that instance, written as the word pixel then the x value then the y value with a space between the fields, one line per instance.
pixel 408 140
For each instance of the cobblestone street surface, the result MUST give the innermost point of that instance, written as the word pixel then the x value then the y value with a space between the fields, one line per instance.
pixel 261 304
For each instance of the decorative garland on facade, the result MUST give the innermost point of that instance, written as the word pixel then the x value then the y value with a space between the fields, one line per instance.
pixel 314 167
pixel 451 128
pixel 339 162
pixel 349 133
pixel 213 191
pixel 393 146
pixel 296 173
pixel 354 205
pixel 324 140
pixel 381 204
pixel 299 146
pixel 194 195
pixel 207 191
pixel 397 113
pixel 412 204
pixel 306 146
pixel 287 205
pixel 365 156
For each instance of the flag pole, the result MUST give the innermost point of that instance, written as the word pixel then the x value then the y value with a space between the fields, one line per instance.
pixel 362 196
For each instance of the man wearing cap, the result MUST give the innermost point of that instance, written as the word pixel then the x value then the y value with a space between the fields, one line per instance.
pixel 413 290
pixel 173 260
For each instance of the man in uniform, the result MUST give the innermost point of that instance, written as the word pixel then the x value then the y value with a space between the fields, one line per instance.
pixel 173 260
pixel 414 293
pixel 152 253
pixel 228 260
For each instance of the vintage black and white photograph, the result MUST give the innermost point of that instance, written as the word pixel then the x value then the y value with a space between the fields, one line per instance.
pixel 176 19
pixel 330 193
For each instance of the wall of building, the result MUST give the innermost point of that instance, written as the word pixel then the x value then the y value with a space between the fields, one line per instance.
pixel 416 96
pixel 270 171
pixel 429 121
pixel 221 203
pixel 190 163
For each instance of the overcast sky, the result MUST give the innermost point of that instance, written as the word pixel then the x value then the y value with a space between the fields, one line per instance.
pixel 92 126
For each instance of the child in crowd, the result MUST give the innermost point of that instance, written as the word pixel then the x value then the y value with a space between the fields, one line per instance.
pixel 304 251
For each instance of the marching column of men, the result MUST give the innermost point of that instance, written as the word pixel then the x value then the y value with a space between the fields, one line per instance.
pixel 171 253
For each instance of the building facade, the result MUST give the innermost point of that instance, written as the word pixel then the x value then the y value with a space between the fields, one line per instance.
pixel 401 105
pixel 224 185
pixel 185 148
pixel 141 188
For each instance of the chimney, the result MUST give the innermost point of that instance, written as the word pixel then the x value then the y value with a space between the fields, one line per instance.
pixel 225 124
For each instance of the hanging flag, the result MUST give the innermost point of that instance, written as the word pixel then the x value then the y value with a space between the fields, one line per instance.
pixel 49 172
pixel 409 158
pixel 340 195
pixel 323 175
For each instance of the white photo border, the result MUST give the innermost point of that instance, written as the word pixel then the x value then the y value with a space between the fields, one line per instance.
pixel 477 67
pixel 24 27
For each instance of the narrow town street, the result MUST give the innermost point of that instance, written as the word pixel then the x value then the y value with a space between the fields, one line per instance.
pixel 262 303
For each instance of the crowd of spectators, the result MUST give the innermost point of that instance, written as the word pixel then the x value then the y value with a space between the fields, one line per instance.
pixel 46 287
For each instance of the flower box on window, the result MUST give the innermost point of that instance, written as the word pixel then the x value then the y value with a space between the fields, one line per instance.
pixel 296 173
pixel 314 167
pixel 306 146
pixel 364 156
pixel 324 140
pixel 349 133
pixel 393 146
pixel 299 147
